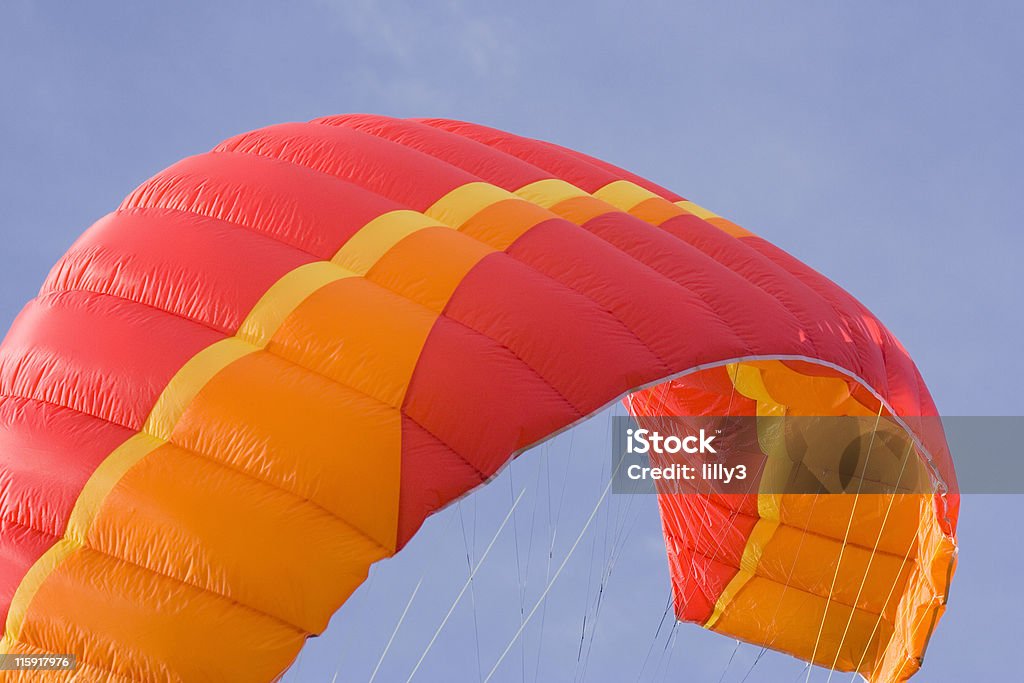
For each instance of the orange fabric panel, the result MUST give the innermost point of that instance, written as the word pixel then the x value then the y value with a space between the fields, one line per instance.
pixel 304 433
pixel 808 562
pixel 171 515
pixel 357 333
pixel 579 210
pixel 503 222
pixel 828 515
pixel 428 265
pixel 819 394
pixel 96 604
pixel 923 602
pixel 656 210
pixel 729 227
pixel 789 620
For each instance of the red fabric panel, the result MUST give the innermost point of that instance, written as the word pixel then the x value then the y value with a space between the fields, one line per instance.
pixel 478 398
pixel 20 547
pixel 559 333
pixel 579 169
pixel 712 284
pixel 388 169
pixel 546 157
pixel 222 268
pixel 47 454
pixel 662 313
pixel 473 157
pixel 433 475
pixel 97 354
pixel 310 211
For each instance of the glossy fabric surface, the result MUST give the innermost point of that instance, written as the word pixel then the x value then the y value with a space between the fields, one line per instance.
pixel 273 361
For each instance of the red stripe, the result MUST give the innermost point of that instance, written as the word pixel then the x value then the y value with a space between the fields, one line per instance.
pixel 473 157
pixel 557 331
pixel 582 171
pixel 308 210
pixel 223 268
pixel 432 475
pixel 385 168
pixel 46 456
pixel 97 354
pixel 479 399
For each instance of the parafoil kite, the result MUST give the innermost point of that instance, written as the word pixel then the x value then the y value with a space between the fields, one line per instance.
pixel 264 370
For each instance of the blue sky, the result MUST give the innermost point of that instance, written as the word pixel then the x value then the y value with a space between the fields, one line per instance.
pixel 879 142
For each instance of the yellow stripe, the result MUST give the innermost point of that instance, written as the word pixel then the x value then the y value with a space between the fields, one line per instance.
pixel 285 296
pixel 725 225
pixel 102 482
pixel 186 383
pixel 29 586
pixel 759 538
pixel 748 381
pixel 465 201
pixel 623 194
pixel 627 196
pixel 696 210
pixel 377 237
pixel 549 192
pixel 769 506
pixel 619 195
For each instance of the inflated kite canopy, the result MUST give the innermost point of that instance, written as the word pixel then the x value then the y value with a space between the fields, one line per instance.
pixel 267 367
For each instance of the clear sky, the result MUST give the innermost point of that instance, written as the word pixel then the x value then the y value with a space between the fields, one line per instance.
pixel 879 142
